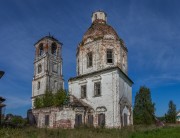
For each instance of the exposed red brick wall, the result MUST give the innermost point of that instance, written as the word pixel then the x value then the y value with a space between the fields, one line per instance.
pixel 62 124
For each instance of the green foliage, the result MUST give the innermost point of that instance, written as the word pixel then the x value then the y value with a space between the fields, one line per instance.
pixel 170 117
pixel 162 118
pixel 49 99
pixel 144 109
pixel 135 132
pixel 14 120
pixel 18 120
pixel 38 102
pixel 60 97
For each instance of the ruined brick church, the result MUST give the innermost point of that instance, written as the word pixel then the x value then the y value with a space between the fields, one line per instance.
pixel 100 94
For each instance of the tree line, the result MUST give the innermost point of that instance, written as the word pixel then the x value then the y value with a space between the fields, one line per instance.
pixel 144 109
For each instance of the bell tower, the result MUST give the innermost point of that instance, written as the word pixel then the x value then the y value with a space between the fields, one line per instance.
pixel 47 67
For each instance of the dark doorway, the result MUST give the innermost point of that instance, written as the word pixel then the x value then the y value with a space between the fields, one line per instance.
pixel 90 120
pixel 78 120
pixel 125 119
pixel 101 119
pixel 46 120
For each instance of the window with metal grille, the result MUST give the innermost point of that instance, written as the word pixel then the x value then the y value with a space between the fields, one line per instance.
pixel 89 59
pixel 83 91
pixel 97 88
pixel 109 55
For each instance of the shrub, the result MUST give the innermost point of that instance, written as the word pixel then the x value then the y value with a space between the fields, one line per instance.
pixel 49 99
pixel 38 102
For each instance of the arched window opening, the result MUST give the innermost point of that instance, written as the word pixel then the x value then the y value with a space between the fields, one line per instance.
pixel 39 68
pixel 89 59
pixel 38 85
pixel 78 120
pixel 41 49
pixel 53 48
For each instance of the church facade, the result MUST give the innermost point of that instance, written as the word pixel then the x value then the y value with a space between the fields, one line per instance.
pixel 101 93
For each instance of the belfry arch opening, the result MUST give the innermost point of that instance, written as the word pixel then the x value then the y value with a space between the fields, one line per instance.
pixel 41 49
pixel 53 48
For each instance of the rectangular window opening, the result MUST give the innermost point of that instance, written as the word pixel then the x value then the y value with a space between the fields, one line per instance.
pixel 109 56
pixel 97 88
pixel 89 59
pixel 83 91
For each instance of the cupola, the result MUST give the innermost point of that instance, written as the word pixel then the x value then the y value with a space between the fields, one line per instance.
pixel 99 16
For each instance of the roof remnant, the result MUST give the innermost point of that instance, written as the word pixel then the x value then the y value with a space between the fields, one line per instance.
pixel 49 37
pixel 78 103
pixel 103 70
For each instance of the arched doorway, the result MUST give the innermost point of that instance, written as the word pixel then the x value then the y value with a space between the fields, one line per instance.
pixel 78 120
pixel 125 119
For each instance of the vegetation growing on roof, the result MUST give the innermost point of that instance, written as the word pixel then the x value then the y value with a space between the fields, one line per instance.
pixel 49 99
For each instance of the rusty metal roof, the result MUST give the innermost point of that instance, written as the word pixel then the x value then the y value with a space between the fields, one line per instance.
pixel 99 30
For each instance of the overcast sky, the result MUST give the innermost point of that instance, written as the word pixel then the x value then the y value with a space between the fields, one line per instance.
pixel 150 29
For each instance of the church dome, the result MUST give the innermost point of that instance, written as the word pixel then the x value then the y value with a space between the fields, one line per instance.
pixel 99 29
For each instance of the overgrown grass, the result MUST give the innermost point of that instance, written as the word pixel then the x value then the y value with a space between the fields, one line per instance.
pixel 130 132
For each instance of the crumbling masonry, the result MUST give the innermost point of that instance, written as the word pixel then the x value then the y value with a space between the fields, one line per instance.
pixel 100 94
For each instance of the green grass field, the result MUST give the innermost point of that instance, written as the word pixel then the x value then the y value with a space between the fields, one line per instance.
pixel 131 132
